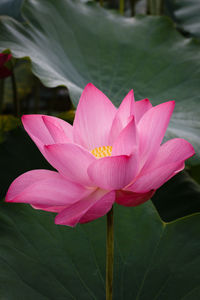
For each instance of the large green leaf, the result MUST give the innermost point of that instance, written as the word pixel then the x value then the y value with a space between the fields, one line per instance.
pixel 11 8
pixel 178 197
pixel 69 47
pixel 43 261
pixel 195 173
pixel 186 13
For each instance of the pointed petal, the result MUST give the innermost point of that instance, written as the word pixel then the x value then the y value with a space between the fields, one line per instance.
pixel 141 107
pixel 73 214
pixel 151 128
pixel 114 172
pixel 127 198
pixel 37 130
pixel 72 161
pixel 127 141
pixel 25 180
pixel 46 130
pixel 155 178
pixel 174 150
pixel 60 131
pixel 167 163
pixel 42 187
pixel 122 116
pixel 93 119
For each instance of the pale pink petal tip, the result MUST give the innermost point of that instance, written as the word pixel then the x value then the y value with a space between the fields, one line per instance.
pixel 169 161
pixel 93 119
pixel 141 107
pixel 45 188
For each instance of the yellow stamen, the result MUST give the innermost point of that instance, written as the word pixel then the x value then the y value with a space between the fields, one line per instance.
pixel 103 151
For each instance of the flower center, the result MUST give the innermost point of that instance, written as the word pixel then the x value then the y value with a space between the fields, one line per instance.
pixel 102 151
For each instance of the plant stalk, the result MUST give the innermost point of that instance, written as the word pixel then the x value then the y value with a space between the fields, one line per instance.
pixel 36 96
pixel 101 3
pixel 132 3
pixel 155 7
pixel 121 7
pixel 15 98
pixel 109 254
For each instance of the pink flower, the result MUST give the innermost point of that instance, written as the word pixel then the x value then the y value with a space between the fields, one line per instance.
pixel 108 155
pixel 4 71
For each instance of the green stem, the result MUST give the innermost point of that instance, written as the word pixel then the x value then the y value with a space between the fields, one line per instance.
pixel 148 5
pixel 155 7
pixel 36 96
pixel 15 98
pixel 2 83
pixel 121 7
pixel 109 254
pixel 161 7
pixel 132 3
pixel 101 3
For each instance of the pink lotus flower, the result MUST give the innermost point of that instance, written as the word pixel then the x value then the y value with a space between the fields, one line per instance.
pixel 108 155
pixel 4 71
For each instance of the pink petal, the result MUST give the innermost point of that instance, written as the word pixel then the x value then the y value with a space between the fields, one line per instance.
pixel 127 141
pixel 71 160
pixel 100 208
pixel 57 131
pixel 155 178
pixel 92 207
pixel 93 119
pixel 122 116
pixel 127 198
pixel 151 128
pixel 42 187
pixel 26 179
pixel 141 107
pixel 46 130
pixel 114 172
pixel 175 150
pixel 50 208
pixel 167 163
